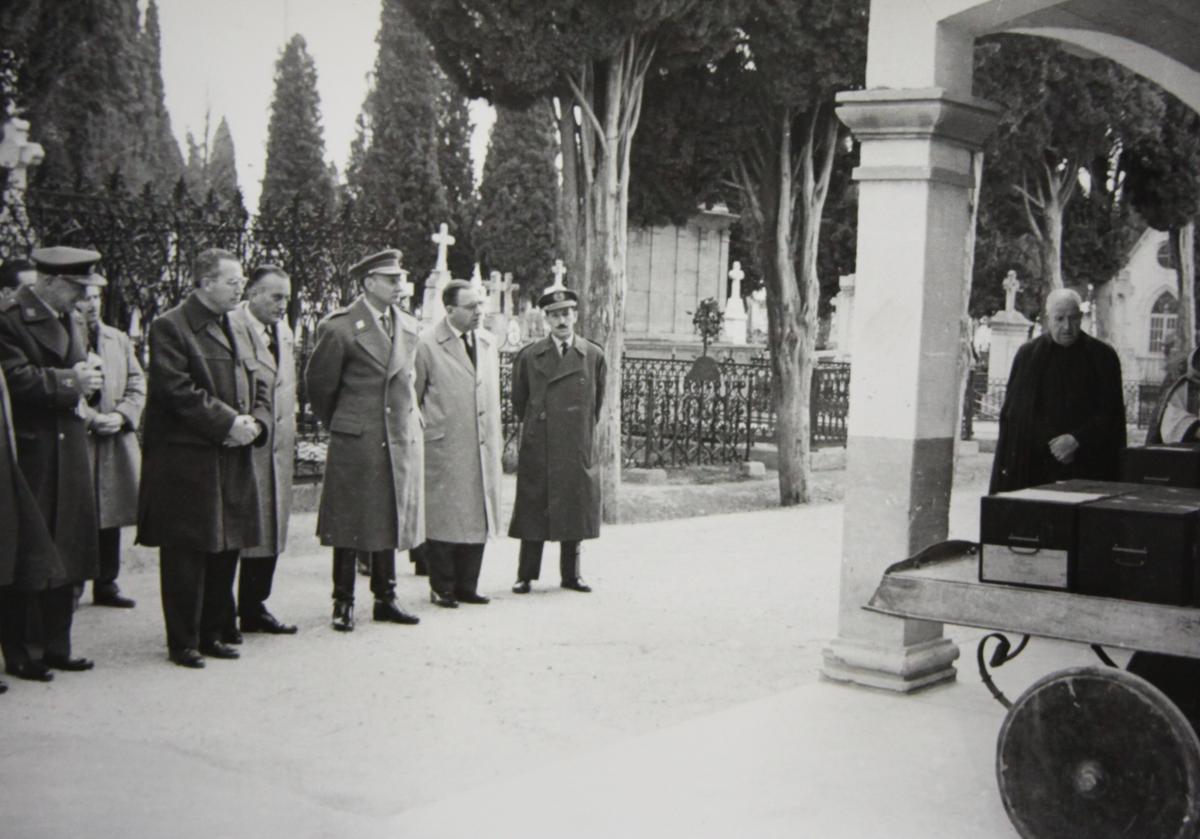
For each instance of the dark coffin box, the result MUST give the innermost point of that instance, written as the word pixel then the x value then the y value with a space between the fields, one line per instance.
pixel 1141 546
pixel 1105 488
pixel 1028 537
pixel 1176 465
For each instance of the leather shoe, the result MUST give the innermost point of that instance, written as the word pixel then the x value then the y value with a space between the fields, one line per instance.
pixel 30 671
pixel 268 623
pixel 114 599
pixel 445 602
pixel 231 635
pixel 521 587
pixel 576 584
pixel 219 649
pixel 387 611
pixel 73 665
pixel 187 658
pixel 343 617
pixel 476 599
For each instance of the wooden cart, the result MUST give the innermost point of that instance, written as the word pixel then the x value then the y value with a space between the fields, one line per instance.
pixel 1085 752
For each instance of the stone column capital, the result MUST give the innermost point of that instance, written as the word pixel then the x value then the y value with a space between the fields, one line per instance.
pixel 917 114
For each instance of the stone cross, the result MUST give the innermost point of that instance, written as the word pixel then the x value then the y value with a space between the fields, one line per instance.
pixel 510 290
pixel 559 271
pixel 444 240
pixel 737 275
pixel 1011 286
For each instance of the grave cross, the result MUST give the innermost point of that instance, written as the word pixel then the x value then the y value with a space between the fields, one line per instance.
pixel 443 240
pixel 737 275
pixel 1011 286
pixel 559 271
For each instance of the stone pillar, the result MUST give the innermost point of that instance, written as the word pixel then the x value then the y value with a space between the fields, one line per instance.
pixel 845 315
pixel 914 177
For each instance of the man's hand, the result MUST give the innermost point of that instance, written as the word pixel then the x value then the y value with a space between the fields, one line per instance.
pixel 1063 447
pixel 90 377
pixel 244 431
pixel 108 424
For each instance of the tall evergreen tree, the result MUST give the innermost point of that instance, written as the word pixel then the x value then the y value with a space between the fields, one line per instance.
pixel 222 164
pixel 162 152
pixel 85 81
pixel 295 172
pixel 395 174
pixel 457 173
pixel 518 196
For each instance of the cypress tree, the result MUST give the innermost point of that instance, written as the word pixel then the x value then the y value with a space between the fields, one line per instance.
pixel 395 175
pixel 295 173
pixel 162 157
pixel 222 164
pixel 518 197
pixel 457 173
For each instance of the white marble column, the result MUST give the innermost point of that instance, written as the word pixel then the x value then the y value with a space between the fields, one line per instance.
pixel 914 179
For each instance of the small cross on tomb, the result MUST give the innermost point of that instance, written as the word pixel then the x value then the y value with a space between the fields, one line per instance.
pixel 443 240
pixel 559 271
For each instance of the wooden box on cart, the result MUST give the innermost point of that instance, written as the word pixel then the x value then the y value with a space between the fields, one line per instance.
pixel 1141 546
pixel 1175 464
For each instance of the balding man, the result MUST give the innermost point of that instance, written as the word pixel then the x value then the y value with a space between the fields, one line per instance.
pixel 1064 411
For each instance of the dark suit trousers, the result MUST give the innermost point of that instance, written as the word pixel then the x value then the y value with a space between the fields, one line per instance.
pixel 254 584
pixel 197 594
pixel 529 566
pixel 110 560
pixel 55 607
pixel 383 574
pixel 453 567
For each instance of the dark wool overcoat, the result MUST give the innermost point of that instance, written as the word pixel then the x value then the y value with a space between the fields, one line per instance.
pixel 363 391
pixel 274 462
pixel 1097 406
pixel 37 354
pixel 195 492
pixel 558 400
pixel 28 558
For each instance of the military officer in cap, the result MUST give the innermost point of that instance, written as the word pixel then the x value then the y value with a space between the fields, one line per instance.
pixel 360 381
pixel 43 353
pixel 557 391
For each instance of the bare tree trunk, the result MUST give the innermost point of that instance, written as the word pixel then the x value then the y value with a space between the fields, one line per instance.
pixel 610 96
pixel 1182 243
pixel 570 216
pixel 1051 242
pixel 966 352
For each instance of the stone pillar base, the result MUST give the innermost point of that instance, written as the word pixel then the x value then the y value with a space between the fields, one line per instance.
pixel 902 669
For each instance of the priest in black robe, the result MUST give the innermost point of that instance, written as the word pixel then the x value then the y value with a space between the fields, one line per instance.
pixel 1064 411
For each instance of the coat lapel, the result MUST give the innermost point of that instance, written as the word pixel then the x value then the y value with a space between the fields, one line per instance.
pixel 43 324
pixel 546 358
pixel 570 363
pixel 404 344
pixel 453 345
pixel 262 351
pixel 368 334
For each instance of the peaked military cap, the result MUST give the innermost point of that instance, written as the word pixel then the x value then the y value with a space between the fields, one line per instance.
pixel 384 262
pixel 75 264
pixel 557 298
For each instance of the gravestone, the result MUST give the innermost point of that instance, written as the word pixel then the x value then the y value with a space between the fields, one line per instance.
pixel 18 156
pixel 756 323
pixel 735 307
pixel 1010 329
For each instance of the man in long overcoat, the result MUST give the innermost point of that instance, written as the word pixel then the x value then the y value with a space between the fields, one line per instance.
pixel 458 388
pixel 112 415
pixel 44 356
pixel 557 391
pixel 28 559
pixel 1064 411
pixel 360 381
pixel 268 293
pixel 198 500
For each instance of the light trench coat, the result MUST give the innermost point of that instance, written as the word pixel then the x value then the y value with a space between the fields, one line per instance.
pixel 461 407
pixel 117 458
pixel 274 463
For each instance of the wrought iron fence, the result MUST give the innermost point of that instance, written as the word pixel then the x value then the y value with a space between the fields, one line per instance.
pixel 986 398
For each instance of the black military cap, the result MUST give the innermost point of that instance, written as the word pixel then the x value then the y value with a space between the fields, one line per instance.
pixel 557 298
pixel 384 262
pixel 75 264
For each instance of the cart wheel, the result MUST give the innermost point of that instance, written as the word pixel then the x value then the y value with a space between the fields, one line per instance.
pixel 1098 752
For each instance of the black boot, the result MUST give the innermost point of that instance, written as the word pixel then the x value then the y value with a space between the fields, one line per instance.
pixel 387 611
pixel 343 615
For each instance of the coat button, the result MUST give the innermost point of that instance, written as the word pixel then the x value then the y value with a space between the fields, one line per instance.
pixel 387 410
pixel 62 436
pixel 542 415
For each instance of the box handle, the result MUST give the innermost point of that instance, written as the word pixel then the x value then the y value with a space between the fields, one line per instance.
pixel 1032 546
pixel 1156 479
pixel 1136 556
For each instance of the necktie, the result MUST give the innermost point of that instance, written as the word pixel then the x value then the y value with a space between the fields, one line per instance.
pixel 385 320
pixel 272 343
pixel 470 347
pixel 562 349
